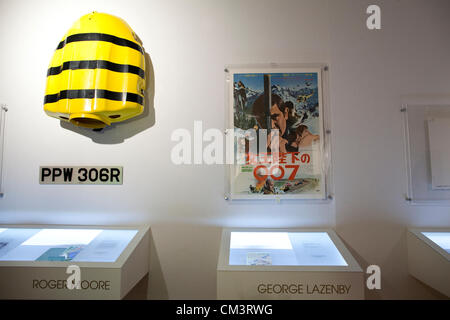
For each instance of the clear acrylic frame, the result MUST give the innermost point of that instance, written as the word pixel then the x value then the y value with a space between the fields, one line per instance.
pixel 322 71
pixel 416 120
pixel 3 110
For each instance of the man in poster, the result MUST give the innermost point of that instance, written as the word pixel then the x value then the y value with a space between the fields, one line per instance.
pixel 279 115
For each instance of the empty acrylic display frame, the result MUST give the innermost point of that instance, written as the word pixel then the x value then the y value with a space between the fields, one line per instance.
pixel 34 261
pixel 427 153
pixel 3 110
pixel 300 260
pixel 283 108
pixel 429 257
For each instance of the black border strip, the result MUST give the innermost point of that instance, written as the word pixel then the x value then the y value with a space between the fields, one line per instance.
pixel 96 64
pixel 234 309
pixel 100 37
pixel 94 93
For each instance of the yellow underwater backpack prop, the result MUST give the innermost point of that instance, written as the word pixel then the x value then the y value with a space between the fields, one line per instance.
pixel 97 74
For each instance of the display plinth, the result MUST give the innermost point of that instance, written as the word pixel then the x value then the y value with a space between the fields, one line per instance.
pixel 34 261
pixel 429 258
pixel 286 264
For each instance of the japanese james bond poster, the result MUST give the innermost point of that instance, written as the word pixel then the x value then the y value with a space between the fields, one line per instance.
pixel 278 126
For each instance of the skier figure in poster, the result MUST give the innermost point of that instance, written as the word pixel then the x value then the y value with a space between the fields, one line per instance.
pixel 241 96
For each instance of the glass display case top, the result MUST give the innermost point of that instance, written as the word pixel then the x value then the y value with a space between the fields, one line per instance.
pixel 442 239
pixel 78 245
pixel 284 249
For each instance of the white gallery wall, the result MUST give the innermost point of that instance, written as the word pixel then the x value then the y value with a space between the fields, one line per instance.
pixel 189 44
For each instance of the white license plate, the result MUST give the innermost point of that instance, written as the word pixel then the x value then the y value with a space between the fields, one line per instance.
pixel 80 175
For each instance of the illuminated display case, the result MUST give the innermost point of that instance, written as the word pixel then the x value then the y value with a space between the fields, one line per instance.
pixel 286 264
pixel 34 261
pixel 429 257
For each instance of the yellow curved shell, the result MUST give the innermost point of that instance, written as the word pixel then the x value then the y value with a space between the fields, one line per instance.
pixel 97 73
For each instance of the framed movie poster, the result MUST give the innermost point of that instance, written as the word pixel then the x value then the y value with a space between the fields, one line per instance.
pixel 278 121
